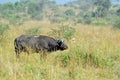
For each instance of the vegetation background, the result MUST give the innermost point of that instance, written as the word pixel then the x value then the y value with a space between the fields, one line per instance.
pixel 90 28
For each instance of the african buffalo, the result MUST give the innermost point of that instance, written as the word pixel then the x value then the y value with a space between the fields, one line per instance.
pixel 27 43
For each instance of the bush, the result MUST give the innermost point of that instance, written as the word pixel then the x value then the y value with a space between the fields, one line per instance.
pixel 15 19
pixel 118 12
pixel 79 20
pixel 68 14
pixel 63 31
pixel 87 19
pixel 116 23
pixel 68 34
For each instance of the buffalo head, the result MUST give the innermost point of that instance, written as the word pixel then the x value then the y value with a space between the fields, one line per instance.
pixel 61 45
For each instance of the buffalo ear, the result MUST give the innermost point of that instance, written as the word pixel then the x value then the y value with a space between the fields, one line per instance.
pixel 60 41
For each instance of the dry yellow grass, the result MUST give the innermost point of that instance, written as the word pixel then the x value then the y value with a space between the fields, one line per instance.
pixel 101 43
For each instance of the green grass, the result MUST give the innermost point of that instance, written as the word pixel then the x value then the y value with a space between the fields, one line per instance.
pixel 93 55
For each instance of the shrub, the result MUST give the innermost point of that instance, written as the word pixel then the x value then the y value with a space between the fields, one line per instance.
pixel 78 20
pixel 87 19
pixel 63 31
pixel 118 12
pixel 69 12
pixel 116 23
pixel 68 34
pixel 15 19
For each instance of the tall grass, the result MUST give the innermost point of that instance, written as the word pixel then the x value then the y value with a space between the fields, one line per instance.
pixel 93 55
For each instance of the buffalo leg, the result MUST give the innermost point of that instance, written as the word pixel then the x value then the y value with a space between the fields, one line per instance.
pixel 43 53
pixel 17 53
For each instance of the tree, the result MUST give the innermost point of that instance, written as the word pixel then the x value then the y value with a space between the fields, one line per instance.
pixel 100 12
pixel 35 9
pixel 118 12
pixel 102 7
pixel 69 13
pixel 116 23
pixel 87 18
pixel 104 3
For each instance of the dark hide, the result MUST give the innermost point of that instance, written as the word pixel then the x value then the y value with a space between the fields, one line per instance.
pixel 25 43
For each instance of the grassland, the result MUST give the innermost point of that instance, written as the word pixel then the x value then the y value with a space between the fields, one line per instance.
pixel 94 54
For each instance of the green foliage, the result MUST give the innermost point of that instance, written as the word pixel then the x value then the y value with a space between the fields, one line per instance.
pixel 79 20
pixel 116 23
pixel 99 22
pixel 33 31
pixel 104 3
pixel 57 20
pixel 102 8
pixel 15 19
pixel 19 7
pixel 117 69
pixel 9 6
pixel 69 33
pixel 69 13
pixel 118 12
pixel 64 60
pixel 97 58
pixel 23 10
pixel 87 19
pixel 100 12
pixel 35 10
pixel 63 32
pixel 3 28
pixel 85 6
